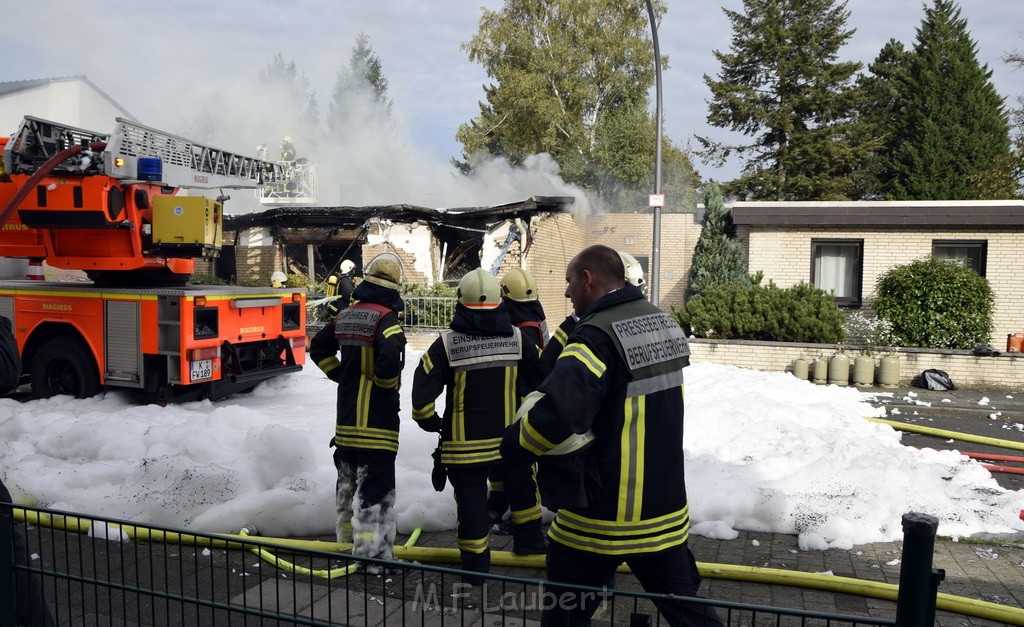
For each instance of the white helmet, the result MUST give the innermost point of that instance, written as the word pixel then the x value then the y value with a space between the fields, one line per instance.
pixel 634 272
pixel 278 279
pixel 347 266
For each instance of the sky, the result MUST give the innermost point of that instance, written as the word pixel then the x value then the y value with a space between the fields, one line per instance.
pixel 165 61
pixel 785 456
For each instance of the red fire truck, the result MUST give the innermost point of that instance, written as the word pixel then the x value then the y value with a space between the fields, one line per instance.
pixel 111 206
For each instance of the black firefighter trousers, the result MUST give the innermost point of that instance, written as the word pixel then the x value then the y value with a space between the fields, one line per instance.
pixel 672 571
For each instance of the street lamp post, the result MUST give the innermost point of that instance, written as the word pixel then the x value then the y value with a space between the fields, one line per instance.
pixel 656 252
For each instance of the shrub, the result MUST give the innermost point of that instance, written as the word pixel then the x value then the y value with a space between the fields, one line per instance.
pixel 202 278
pixel 934 303
pixel 737 311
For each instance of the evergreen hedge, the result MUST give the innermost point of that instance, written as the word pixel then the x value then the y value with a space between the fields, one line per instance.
pixel 935 303
pixel 737 311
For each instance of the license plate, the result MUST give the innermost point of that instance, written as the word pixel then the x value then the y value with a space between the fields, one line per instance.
pixel 201 370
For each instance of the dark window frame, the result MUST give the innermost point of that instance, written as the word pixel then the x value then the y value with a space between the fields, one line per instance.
pixel 980 244
pixel 856 300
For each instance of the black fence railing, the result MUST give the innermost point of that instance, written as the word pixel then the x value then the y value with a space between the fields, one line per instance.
pixel 66 569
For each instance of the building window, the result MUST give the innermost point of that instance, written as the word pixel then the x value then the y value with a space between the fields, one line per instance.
pixel 836 268
pixel 970 253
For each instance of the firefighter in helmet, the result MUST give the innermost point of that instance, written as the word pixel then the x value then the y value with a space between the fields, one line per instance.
pixel 278 279
pixel 484 366
pixel 287 149
pixel 340 288
pixel 522 301
pixel 631 472
pixel 372 345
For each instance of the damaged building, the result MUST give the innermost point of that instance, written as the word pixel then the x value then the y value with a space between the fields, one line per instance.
pixel 539 234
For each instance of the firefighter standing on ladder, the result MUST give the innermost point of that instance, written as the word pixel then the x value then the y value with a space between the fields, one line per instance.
pixel 372 345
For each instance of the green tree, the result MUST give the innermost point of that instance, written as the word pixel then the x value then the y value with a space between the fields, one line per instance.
pixel 782 85
pixel 950 136
pixel 876 110
pixel 360 89
pixel 717 257
pixel 570 78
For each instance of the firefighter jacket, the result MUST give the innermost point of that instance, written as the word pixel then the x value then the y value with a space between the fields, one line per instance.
pixel 619 381
pixel 372 345
pixel 557 343
pixel 484 367
pixel 529 318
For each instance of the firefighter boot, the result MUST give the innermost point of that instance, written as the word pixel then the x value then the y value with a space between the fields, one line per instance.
pixel 528 539
pixel 475 563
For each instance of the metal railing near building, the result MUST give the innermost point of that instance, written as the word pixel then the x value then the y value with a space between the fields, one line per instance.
pixel 428 313
pixel 95 570
pixel 422 313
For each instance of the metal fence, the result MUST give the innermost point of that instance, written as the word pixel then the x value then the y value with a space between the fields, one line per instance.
pixel 428 313
pixel 101 571
pixel 422 313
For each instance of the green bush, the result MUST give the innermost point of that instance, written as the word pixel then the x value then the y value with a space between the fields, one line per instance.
pixel 738 311
pixel 429 313
pixel 202 278
pixel 934 303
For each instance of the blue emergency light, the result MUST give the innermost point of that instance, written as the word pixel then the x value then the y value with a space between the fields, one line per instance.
pixel 150 169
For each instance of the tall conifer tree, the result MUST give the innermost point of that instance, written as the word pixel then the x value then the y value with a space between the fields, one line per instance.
pixel 783 85
pixel 950 136
pixel 717 257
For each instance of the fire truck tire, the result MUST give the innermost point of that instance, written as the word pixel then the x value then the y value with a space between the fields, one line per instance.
pixel 64 365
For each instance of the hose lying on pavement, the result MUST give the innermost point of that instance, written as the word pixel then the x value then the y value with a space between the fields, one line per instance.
pixel 753 574
pixel 950 435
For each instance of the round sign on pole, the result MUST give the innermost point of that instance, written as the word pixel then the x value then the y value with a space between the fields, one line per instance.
pixel 656 200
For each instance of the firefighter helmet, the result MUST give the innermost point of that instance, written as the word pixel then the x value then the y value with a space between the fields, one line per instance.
pixel 287 139
pixel 634 271
pixel 479 290
pixel 347 266
pixel 384 270
pixel 278 279
pixel 519 285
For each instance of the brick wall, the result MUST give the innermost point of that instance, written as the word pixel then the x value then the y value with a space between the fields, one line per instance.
pixel 634 233
pixel 785 257
pixel 1005 371
pixel 557 239
pixel 257 263
pixel 414 245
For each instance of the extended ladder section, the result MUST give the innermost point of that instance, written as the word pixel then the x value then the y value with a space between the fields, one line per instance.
pixel 138 153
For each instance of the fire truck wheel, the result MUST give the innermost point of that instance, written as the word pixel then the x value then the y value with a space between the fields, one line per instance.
pixel 64 366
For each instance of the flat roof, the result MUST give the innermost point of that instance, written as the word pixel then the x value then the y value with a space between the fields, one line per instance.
pixel 958 213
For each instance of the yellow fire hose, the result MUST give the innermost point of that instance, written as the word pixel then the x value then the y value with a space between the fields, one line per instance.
pixel 950 435
pixel 408 552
